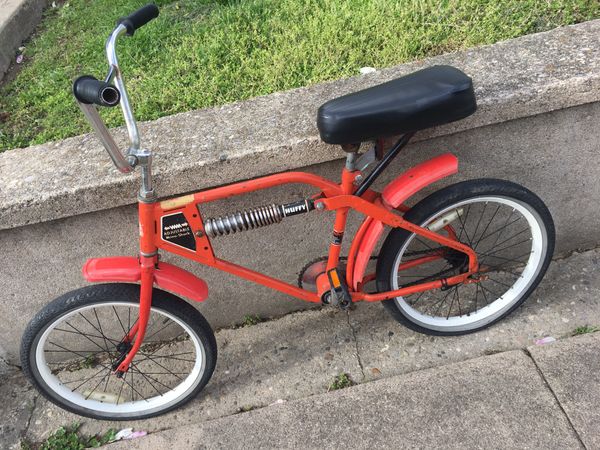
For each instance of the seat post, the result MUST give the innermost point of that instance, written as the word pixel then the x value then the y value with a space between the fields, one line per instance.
pixel 387 158
pixel 351 155
pixel 351 159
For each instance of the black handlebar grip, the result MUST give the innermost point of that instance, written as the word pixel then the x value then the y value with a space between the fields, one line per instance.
pixel 139 18
pixel 88 89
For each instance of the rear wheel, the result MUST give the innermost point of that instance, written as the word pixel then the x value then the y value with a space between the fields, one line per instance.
pixel 71 347
pixel 509 228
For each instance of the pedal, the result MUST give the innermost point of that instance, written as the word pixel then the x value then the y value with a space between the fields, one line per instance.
pixel 340 295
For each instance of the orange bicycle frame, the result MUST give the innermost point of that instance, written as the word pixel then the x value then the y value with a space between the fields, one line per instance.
pixel 339 198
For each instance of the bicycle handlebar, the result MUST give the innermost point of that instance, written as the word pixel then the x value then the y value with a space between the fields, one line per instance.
pixel 89 91
pixel 139 18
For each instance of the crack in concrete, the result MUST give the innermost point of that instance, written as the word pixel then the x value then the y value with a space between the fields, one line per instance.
pixel 32 412
pixel 575 432
pixel 577 251
pixel 9 364
pixel 355 338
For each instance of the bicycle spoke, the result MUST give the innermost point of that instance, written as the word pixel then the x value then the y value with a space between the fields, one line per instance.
pixel 419 239
pixel 452 303
pixel 499 230
pixel 120 392
pixel 128 320
pixel 479 221
pixel 418 298
pixel 464 227
pixel 133 388
pixel 102 336
pixel 483 293
pixel 498 282
pixel 87 337
pixel 486 227
pixel 101 332
pixel 153 334
pixel 72 351
pixel 458 302
pixel 85 378
pixel 440 302
pixel 489 290
pixel 169 357
pixel 89 352
pixel 77 332
pixel 165 370
pixel 96 387
pixel 133 367
pixel 162 367
pixel 131 385
pixel 510 246
pixel 508 259
pixel 88 379
pixel 119 319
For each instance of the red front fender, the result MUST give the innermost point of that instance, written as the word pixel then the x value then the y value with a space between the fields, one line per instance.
pixel 395 194
pixel 127 269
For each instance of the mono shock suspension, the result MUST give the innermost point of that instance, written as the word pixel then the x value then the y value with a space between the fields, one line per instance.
pixel 255 218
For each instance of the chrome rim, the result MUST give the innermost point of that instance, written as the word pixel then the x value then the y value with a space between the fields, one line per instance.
pixel 75 355
pixel 511 246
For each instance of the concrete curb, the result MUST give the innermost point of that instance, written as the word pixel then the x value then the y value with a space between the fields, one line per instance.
pixel 18 19
pixel 522 77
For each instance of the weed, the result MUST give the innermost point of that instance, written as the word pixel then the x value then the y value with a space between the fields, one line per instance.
pixel 250 320
pixel 245 408
pixel 340 381
pixel 585 330
pixel 68 438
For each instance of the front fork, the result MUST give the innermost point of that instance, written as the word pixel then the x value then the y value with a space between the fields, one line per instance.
pixel 148 261
pixel 138 331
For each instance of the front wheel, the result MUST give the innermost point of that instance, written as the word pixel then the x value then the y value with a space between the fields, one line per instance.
pixel 71 347
pixel 510 229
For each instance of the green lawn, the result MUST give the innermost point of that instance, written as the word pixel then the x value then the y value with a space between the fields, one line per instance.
pixel 204 53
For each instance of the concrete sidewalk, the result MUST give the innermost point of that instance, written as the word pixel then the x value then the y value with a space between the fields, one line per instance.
pixel 425 389
pixel 497 401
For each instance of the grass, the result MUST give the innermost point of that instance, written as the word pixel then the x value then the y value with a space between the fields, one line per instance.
pixel 340 381
pixel 202 53
pixel 68 438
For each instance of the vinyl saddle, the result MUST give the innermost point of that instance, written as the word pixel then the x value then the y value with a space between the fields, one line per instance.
pixel 423 99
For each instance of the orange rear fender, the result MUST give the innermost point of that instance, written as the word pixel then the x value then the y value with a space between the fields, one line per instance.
pixel 394 195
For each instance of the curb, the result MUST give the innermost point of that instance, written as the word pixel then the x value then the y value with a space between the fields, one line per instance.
pixel 18 19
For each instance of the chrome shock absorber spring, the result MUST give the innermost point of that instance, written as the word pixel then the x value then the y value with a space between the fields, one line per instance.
pixel 254 218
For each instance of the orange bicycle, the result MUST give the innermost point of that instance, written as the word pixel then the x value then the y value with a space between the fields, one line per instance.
pixel 456 262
